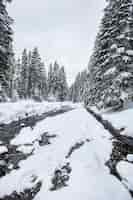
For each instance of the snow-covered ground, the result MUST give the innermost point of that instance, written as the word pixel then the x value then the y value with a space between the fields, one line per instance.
pixel 13 111
pixel 122 119
pixel 90 177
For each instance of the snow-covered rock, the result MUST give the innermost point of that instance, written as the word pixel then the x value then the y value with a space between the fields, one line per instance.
pixel 130 157
pixel 3 149
pixel 113 46
pixel 129 52
pixel 25 149
pixel 121 50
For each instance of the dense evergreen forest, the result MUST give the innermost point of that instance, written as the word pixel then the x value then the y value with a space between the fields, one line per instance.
pixel 27 76
pixel 108 81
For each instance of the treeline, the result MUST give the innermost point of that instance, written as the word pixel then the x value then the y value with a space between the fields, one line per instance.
pixel 27 78
pixel 108 81
pixel 31 80
pixel 78 90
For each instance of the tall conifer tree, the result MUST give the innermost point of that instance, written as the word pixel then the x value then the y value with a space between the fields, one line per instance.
pixel 111 66
pixel 24 75
pixel 63 87
pixel 37 81
pixel 6 53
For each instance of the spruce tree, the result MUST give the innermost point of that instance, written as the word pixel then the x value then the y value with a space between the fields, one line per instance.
pixel 84 76
pixel 42 81
pixel 63 86
pixel 56 80
pixel 77 88
pixel 77 91
pixel 111 71
pixel 29 75
pixel 24 75
pixel 6 53
pixel 37 81
pixel 17 80
pixel 50 80
pixel 57 83
pixel 35 59
pixel 11 79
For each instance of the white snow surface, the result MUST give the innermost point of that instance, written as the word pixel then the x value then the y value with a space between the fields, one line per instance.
pixel 130 157
pixel 129 52
pixel 122 119
pixel 25 149
pixel 121 50
pixel 3 149
pixel 89 179
pixel 13 111
pixel 125 170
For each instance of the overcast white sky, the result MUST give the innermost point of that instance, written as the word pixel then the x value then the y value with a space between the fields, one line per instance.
pixel 64 30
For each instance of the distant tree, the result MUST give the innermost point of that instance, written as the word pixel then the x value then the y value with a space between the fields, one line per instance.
pixel 17 80
pixel 84 77
pixel 78 89
pixel 56 79
pixel 37 83
pixel 6 53
pixel 35 61
pixel 24 75
pixel 50 80
pixel 53 81
pixel 42 81
pixel 63 86
pixel 11 79
pixel 57 83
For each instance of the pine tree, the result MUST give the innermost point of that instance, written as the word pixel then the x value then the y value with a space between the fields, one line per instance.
pixel 57 83
pixel 56 80
pixel 50 80
pixel 42 81
pixel 37 81
pixel 84 77
pixel 24 75
pixel 53 81
pixel 72 94
pixel 63 86
pixel 17 80
pixel 33 72
pixel 29 75
pixel 77 91
pixel 86 90
pixel 6 53
pixel 77 88
pixel 11 79
pixel 111 71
